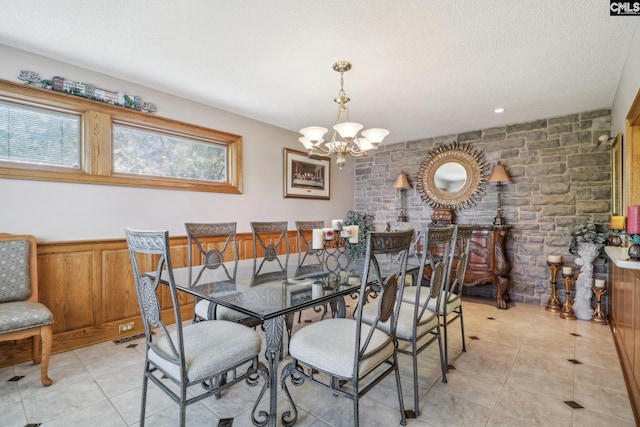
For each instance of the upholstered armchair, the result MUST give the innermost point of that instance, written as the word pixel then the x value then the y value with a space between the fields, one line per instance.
pixel 21 315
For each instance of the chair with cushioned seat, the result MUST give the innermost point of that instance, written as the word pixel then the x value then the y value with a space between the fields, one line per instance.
pixel 263 244
pixel 21 315
pixel 451 304
pixel 201 353
pixel 336 351
pixel 418 327
pixel 213 259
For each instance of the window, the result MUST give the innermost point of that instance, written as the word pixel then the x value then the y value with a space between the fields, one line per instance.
pixel 52 136
pixel 155 153
pixel 39 136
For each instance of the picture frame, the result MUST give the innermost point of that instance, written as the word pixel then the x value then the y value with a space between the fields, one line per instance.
pixel 306 177
pixel 617 176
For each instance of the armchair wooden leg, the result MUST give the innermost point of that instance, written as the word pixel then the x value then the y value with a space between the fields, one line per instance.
pixel 36 347
pixel 46 338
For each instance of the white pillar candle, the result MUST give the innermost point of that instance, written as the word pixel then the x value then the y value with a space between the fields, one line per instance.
pixel 336 224
pixel 554 258
pixel 355 230
pixel 567 270
pixel 317 238
pixel 599 283
pixel 317 290
pixel 328 233
pixel 346 231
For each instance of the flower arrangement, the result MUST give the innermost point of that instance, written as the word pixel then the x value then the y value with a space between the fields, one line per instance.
pixel 364 222
pixel 587 233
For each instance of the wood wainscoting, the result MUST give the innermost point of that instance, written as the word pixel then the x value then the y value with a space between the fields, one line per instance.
pixel 89 288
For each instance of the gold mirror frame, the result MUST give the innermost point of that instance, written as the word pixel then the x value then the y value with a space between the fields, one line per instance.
pixel 473 189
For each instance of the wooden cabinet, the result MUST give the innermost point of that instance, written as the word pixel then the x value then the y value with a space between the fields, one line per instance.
pixel 625 323
pixel 488 261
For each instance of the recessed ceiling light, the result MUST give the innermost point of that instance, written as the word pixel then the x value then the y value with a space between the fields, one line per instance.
pixel 499 110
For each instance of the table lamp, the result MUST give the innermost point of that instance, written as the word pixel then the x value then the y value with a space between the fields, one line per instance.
pixel 499 175
pixel 402 184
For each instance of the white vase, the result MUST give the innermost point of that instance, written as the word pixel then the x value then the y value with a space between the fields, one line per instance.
pixel 582 302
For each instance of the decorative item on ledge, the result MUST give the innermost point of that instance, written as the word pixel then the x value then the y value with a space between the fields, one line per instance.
pixel 402 184
pixel 499 175
pixel 313 141
pixel 617 229
pixel 87 90
pixel 633 231
pixel 634 249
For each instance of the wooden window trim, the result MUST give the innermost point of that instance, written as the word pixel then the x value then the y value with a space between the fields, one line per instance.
pixel 96 147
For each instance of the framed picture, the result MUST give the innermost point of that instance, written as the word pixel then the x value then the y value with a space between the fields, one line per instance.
pixel 616 176
pixel 306 177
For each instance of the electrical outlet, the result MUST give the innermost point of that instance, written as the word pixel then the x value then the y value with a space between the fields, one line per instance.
pixel 125 327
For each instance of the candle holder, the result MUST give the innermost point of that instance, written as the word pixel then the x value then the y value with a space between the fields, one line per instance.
pixel 567 308
pixel 598 316
pixel 554 305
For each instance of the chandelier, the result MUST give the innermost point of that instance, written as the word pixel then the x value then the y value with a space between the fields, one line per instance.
pixel 345 138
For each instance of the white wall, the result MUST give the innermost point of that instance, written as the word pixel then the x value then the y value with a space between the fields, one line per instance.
pixel 628 86
pixel 63 211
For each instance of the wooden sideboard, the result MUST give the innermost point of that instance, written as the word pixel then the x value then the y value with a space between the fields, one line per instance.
pixel 624 290
pixel 488 261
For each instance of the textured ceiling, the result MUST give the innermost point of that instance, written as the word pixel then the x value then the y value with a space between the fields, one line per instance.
pixel 420 68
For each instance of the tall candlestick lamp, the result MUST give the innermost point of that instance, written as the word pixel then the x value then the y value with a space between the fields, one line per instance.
pixel 402 184
pixel 499 175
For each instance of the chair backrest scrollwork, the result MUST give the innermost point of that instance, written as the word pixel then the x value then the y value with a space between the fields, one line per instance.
pixel 143 246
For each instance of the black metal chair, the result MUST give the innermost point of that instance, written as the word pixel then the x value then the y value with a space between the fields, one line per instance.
pixel 451 305
pixel 202 353
pixel 263 245
pixel 418 327
pixel 213 259
pixel 336 351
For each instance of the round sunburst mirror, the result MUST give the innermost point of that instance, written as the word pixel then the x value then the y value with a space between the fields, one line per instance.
pixel 453 176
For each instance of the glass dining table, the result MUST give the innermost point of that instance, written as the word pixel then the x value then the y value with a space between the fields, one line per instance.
pixel 272 289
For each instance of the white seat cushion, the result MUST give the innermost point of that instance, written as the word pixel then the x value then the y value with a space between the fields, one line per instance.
pixel 409 295
pixel 222 313
pixel 209 347
pixel 404 328
pixel 329 345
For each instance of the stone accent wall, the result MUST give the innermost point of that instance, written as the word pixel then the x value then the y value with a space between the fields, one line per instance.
pixel 561 177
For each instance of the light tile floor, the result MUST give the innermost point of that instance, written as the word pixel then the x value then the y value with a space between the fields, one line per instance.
pixel 516 372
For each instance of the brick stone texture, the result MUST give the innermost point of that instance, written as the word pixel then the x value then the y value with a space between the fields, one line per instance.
pixel 561 177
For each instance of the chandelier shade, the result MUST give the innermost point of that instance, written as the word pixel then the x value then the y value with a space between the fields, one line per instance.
pixel 345 138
